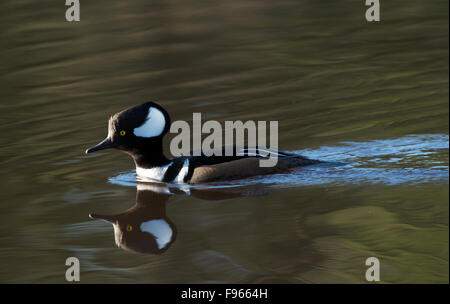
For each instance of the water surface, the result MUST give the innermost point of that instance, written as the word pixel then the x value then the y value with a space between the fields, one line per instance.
pixel 370 99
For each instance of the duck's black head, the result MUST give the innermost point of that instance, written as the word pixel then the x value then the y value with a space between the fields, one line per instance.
pixel 138 131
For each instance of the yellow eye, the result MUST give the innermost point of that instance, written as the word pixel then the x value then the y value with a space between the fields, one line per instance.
pixel 129 227
pixel 122 133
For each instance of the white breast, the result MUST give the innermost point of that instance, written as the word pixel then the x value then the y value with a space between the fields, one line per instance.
pixel 158 188
pixel 156 173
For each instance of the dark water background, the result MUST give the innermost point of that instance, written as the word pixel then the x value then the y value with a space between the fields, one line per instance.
pixel 373 97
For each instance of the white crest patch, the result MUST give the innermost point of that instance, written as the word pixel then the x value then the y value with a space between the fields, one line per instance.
pixel 160 230
pixel 153 125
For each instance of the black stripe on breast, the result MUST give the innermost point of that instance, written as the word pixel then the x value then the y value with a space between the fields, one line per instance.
pixel 188 176
pixel 174 169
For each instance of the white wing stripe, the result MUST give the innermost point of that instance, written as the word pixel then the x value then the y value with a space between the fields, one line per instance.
pixel 183 172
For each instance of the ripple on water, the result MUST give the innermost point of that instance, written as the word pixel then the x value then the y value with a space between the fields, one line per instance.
pixel 410 159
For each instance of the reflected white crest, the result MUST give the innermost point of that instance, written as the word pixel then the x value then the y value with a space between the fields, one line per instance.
pixel 153 125
pixel 160 230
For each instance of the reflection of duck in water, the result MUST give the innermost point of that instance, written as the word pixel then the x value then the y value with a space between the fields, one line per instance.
pixel 143 228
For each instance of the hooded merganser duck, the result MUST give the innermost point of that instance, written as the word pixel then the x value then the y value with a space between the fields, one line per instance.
pixel 139 131
pixel 145 227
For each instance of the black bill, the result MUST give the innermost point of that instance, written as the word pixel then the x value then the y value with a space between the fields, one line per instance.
pixel 105 144
pixel 109 218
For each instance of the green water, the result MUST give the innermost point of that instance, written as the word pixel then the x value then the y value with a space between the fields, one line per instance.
pixel 318 68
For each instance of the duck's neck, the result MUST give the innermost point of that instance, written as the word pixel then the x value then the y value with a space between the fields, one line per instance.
pixel 150 156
